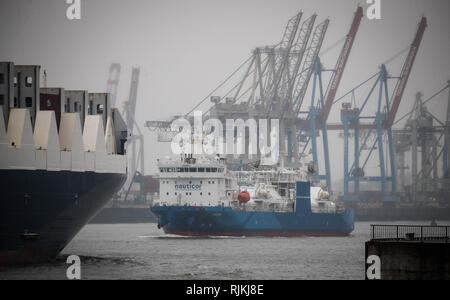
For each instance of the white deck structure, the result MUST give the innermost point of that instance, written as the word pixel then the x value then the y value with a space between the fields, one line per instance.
pixel 44 148
pixel 195 182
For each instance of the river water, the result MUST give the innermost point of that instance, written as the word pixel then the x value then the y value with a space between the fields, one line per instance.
pixel 141 251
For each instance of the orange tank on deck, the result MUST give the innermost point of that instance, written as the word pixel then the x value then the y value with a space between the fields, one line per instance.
pixel 244 197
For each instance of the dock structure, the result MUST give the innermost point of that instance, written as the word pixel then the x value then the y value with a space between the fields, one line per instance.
pixel 398 252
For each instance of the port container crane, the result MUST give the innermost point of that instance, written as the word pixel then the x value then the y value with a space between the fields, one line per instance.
pixel 317 113
pixel 382 123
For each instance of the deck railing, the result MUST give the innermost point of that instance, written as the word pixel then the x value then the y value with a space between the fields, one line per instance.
pixel 410 233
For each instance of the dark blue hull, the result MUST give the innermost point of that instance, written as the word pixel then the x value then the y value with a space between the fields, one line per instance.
pixel 218 221
pixel 41 211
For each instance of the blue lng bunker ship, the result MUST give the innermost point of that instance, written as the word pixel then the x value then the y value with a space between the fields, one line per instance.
pixel 201 199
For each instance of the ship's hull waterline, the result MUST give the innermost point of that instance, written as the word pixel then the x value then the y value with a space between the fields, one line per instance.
pixel 219 221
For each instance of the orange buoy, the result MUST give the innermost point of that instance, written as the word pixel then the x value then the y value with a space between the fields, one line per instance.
pixel 244 197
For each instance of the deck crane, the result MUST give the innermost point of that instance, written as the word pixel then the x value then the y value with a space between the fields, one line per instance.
pixel 382 123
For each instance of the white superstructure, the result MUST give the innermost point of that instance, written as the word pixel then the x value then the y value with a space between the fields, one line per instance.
pixel 44 148
pixel 195 182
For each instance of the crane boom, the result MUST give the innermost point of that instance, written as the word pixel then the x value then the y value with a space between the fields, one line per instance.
pixel 345 53
pixel 113 82
pixel 299 50
pixel 406 71
pixel 130 105
pixel 308 65
pixel 285 47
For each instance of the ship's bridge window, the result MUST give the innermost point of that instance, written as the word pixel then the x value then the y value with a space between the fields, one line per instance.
pixel 180 170
pixel 170 170
pixel 193 170
pixel 162 170
pixel 201 169
pixel 186 169
pixel 208 169
pixel 214 170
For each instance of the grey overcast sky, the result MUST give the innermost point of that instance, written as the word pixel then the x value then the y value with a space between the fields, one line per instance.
pixel 185 48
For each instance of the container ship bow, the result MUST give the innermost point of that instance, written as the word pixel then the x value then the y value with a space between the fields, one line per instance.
pixel 203 199
pixel 62 158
